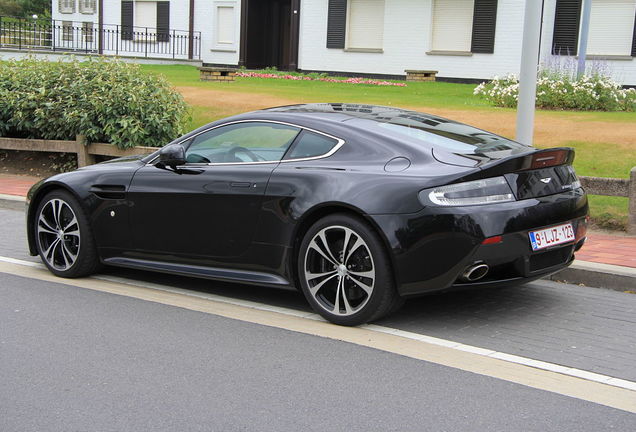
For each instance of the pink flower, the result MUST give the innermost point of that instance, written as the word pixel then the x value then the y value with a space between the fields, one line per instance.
pixel 306 78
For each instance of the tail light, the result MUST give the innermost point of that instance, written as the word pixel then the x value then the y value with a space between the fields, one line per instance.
pixel 549 158
pixel 477 192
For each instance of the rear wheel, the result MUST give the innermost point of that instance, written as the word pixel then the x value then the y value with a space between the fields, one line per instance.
pixel 344 271
pixel 63 236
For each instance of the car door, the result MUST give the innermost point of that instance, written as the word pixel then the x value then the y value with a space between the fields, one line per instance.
pixel 209 207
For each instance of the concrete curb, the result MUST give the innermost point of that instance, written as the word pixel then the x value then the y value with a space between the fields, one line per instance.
pixel 587 273
pixel 12 202
pixel 598 275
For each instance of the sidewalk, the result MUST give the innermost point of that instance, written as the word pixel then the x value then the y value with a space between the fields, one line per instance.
pixel 615 251
pixel 16 185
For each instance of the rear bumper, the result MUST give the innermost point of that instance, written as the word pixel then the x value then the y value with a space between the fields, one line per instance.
pixel 432 248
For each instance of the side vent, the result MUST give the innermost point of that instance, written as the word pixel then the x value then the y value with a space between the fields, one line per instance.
pixel 112 192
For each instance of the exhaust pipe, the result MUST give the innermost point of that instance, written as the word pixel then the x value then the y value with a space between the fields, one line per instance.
pixel 475 272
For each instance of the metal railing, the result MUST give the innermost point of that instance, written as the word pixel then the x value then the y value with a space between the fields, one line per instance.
pixel 87 37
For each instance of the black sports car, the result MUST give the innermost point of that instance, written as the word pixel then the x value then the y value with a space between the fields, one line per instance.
pixel 358 206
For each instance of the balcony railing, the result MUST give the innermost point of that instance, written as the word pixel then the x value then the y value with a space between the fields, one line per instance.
pixel 111 39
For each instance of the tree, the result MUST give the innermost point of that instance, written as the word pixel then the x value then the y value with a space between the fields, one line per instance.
pixel 10 8
pixel 35 7
pixel 25 8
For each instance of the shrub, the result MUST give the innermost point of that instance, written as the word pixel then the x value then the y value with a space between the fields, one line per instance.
pixel 562 91
pixel 107 101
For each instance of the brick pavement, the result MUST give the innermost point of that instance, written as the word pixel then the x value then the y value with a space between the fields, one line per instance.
pixel 16 184
pixel 600 248
pixel 571 325
pixel 609 249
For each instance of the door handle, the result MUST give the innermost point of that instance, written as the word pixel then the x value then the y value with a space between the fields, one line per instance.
pixel 240 184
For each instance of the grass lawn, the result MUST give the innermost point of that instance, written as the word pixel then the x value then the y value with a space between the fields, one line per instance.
pixel 605 142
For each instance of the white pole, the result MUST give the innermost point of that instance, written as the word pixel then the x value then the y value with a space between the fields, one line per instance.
pixel 528 75
pixel 585 30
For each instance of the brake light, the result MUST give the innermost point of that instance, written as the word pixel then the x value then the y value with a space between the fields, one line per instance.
pixel 549 158
pixel 492 240
pixel 581 229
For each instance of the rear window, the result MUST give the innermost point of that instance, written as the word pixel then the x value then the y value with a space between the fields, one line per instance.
pixel 310 144
pixel 451 136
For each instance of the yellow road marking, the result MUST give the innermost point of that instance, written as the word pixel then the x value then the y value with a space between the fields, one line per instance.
pixel 537 378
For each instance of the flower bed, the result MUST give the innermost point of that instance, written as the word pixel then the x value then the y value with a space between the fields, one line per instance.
pixel 299 77
pixel 586 93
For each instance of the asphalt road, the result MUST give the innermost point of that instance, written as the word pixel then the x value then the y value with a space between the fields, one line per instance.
pixel 586 328
pixel 77 359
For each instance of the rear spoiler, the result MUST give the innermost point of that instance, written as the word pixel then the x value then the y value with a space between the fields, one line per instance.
pixel 523 162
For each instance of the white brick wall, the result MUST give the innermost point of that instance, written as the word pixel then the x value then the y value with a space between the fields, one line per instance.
pixel 204 21
pixel 76 17
pixel 407 38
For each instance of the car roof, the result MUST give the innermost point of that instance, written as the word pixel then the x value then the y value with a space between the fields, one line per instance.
pixel 346 111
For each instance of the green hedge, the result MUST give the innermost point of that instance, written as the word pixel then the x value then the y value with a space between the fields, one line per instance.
pixel 105 100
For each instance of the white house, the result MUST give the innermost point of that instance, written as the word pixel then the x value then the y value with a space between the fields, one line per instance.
pixel 461 39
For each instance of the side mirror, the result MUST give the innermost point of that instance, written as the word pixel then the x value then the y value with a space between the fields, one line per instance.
pixel 172 156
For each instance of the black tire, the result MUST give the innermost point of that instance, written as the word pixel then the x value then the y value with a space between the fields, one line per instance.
pixel 354 306
pixel 78 237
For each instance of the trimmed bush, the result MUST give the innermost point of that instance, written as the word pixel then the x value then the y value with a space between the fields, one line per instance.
pixel 555 91
pixel 107 101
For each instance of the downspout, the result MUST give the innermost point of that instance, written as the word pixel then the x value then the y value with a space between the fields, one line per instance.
pixel 541 31
pixel 100 27
pixel 191 31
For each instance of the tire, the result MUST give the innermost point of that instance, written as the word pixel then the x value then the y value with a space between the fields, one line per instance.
pixel 63 236
pixel 351 281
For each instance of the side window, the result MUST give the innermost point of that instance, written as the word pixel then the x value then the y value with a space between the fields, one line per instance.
pixel 242 142
pixel 311 144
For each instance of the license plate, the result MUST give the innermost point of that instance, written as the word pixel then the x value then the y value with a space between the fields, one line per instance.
pixel 555 235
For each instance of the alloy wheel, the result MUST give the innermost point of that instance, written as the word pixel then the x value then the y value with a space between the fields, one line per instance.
pixel 339 270
pixel 58 234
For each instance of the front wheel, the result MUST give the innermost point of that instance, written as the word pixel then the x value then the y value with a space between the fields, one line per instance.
pixel 63 236
pixel 344 271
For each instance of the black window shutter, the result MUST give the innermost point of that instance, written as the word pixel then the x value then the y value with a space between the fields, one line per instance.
pixel 565 39
pixel 126 20
pixel 484 24
pixel 634 40
pixel 163 21
pixel 336 23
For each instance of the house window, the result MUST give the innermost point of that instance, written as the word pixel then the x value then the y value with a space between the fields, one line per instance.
pixel 462 27
pixel 67 31
pixel 225 25
pixel 146 14
pixel 66 6
pixel 140 19
pixel 611 27
pixel 365 24
pixel 87 32
pixel 87 6
pixel 452 25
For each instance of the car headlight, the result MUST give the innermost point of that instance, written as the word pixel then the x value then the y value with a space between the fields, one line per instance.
pixel 477 192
